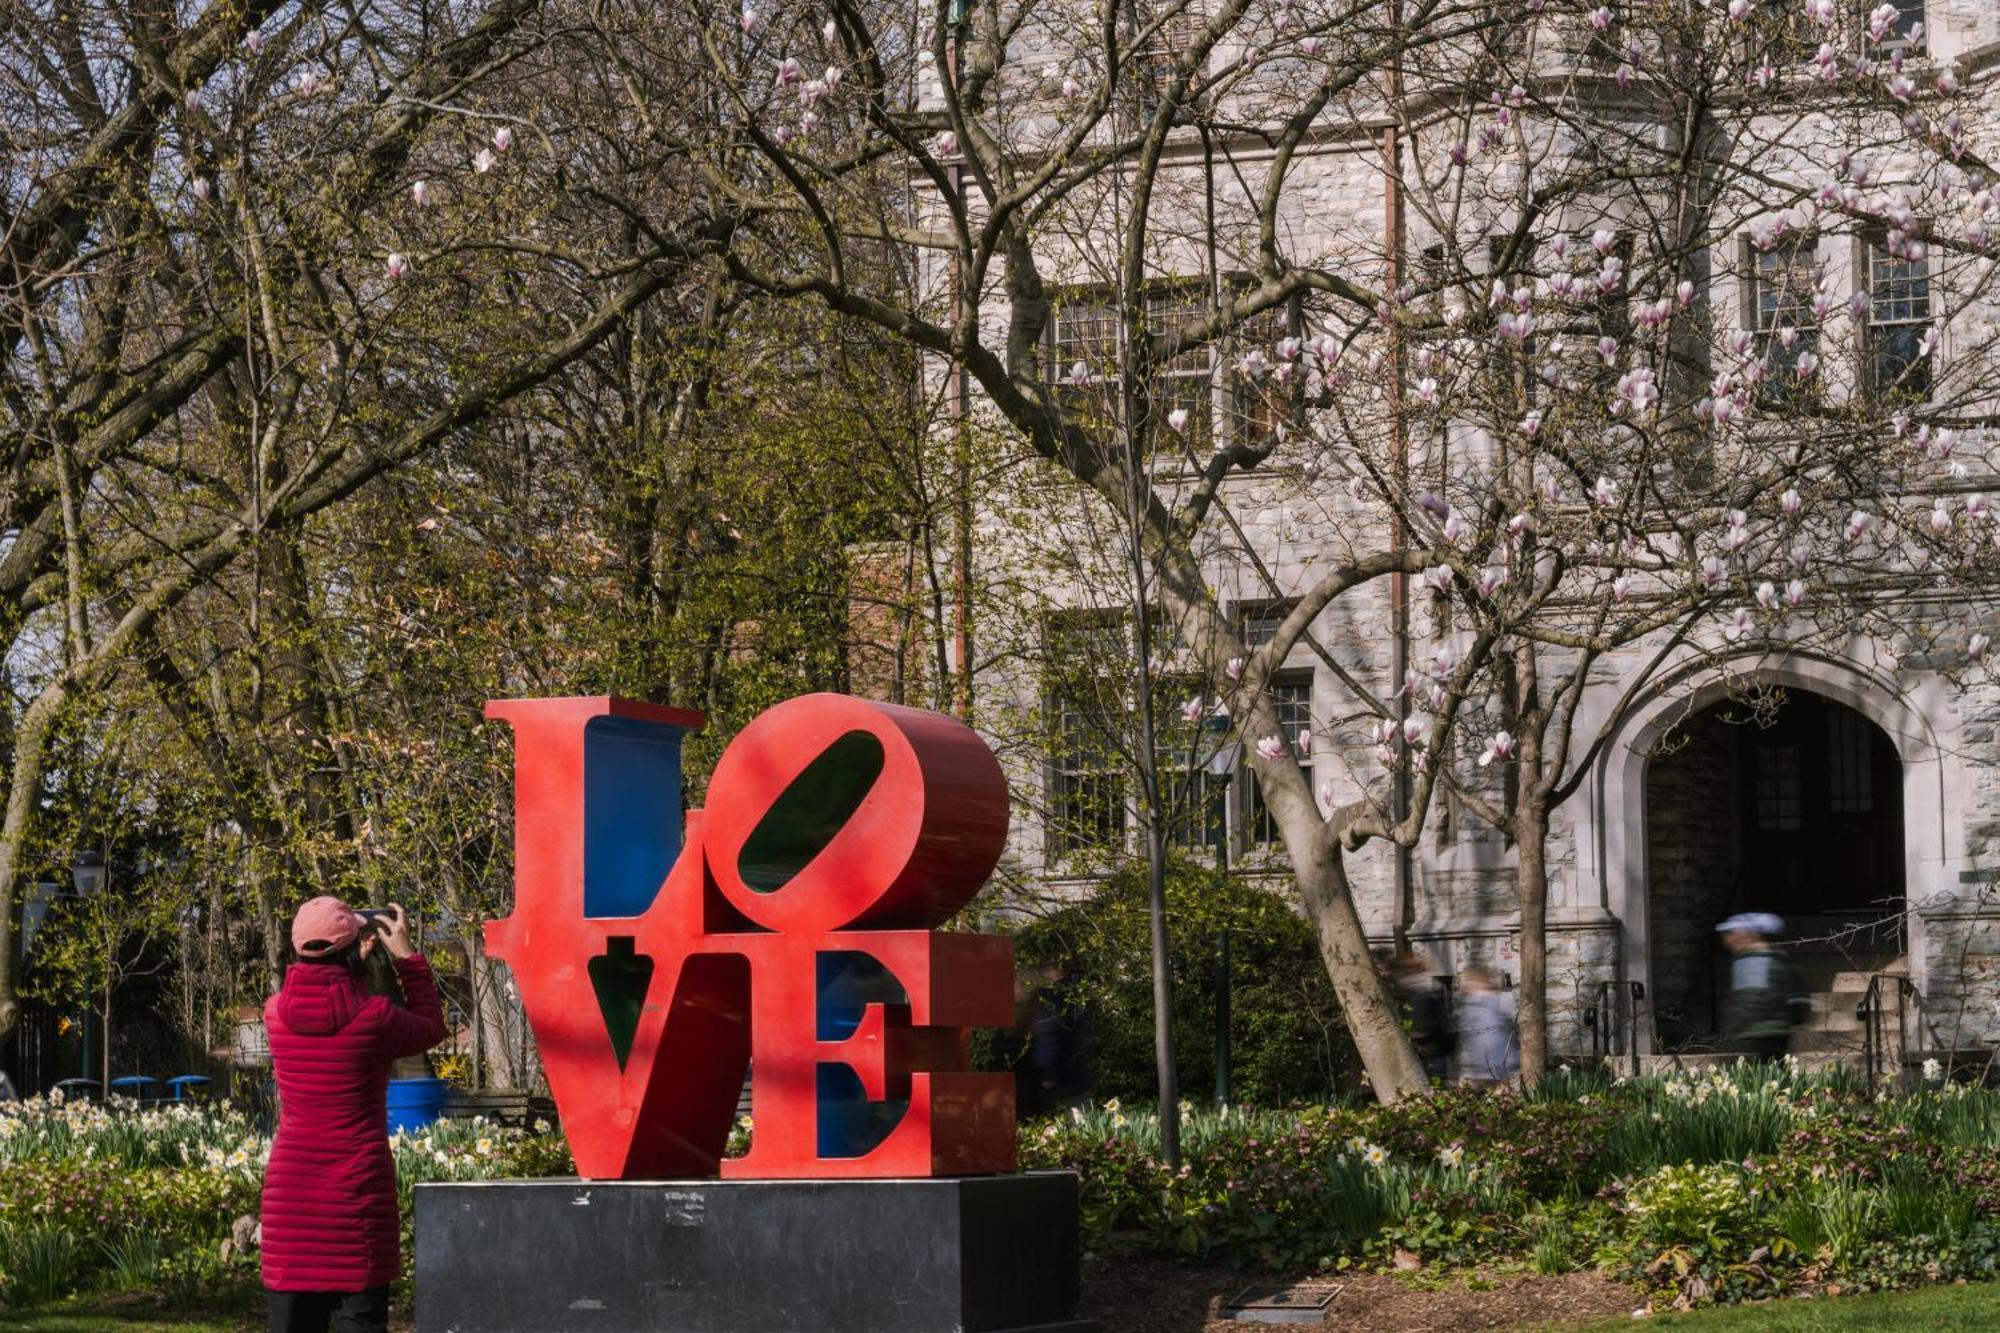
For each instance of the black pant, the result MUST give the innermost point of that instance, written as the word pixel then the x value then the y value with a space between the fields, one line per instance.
pixel 330 1311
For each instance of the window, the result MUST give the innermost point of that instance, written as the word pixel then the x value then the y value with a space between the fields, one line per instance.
pixel 1909 17
pixel 1184 381
pixel 1291 700
pixel 1850 766
pixel 1258 405
pixel 1778 797
pixel 1087 787
pixel 1782 35
pixel 1085 340
pixel 1085 332
pixel 1899 316
pixel 1783 281
pixel 1160 52
pixel 1088 651
pixel 1257 622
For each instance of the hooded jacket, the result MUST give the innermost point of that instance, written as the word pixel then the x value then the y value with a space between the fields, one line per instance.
pixel 329 1209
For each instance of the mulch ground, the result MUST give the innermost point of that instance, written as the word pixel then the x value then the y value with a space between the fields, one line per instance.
pixel 1131 1296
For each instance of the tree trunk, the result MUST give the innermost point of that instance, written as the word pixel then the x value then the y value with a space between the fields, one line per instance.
pixel 1163 996
pixel 489 1018
pixel 1531 826
pixel 1373 1017
pixel 24 789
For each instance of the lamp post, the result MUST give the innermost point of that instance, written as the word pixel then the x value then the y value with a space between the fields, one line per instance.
pixel 89 875
pixel 1220 764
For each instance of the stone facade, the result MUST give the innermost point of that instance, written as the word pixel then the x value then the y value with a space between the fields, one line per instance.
pixel 1641 855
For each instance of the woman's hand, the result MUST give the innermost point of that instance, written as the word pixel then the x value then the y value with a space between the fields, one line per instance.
pixel 395 932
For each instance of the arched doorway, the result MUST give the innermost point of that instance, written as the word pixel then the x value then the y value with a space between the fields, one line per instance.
pixel 1771 799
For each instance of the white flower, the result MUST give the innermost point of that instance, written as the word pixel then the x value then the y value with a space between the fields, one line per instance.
pixel 1452 1155
pixel 420 193
pixel 396 266
pixel 483 160
pixel 503 139
pixel 1375 1155
pixel 1271 747
pixel 1933 1071
pixel 1500 746
pixel 1178 418
pixel 1234 668
pixel 1976 646
pixel 200 188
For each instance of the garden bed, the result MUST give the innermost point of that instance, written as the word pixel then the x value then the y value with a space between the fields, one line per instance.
pixel 1463 1209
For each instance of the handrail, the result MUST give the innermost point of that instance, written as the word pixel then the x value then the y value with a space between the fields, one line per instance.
pixel 1873 1011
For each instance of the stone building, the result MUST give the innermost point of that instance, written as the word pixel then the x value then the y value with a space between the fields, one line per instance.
pixel 1851 786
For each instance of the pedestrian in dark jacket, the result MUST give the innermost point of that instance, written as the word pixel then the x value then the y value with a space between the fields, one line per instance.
pixel 1425 1013
pixel 1766 997
pixel 330 1242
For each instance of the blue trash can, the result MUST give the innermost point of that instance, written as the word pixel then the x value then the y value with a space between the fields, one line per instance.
pixel 415 1102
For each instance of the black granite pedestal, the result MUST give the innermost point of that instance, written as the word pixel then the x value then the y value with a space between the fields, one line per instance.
pixel 979 1254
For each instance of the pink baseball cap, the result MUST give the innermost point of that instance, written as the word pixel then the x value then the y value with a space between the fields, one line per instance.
pixel 325 925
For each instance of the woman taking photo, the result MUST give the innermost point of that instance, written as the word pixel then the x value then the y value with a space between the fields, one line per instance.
pixel 330 1245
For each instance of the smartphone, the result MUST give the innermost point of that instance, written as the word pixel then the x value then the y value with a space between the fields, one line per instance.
pixel 375 914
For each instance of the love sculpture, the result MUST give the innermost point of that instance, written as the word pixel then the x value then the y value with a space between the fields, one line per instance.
pixel 793 936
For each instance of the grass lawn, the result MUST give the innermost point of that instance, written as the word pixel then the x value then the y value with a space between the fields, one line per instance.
pixel 1969 1307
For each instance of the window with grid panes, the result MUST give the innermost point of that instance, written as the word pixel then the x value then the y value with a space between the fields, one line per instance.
pixel 1899 315
pixel 1783 281
pixel 1259 405
pixel 1084 332
pixel 1193 798
pixel 1087 649
pixel 1172 33
pixel 1185 380
pixel 1086 785
pixel 1291 700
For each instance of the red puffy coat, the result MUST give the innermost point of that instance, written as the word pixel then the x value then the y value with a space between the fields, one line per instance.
pixel 330 1191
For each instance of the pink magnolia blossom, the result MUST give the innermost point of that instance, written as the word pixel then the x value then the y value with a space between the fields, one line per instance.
pixel 1193 709
pixel 1178 419
pixel 1413 731
pixel 1740 623
pixel 503 139
pixel 254 42
pixel 483 160
pixel 1976 646
pixel 1767 595
pixel 1621 587
pixel 1305 740
pixel 1795 593
pixel 1234 668
pixel 1605 493
pixel 1857 524
pixel 1271 747
pixel 1791 502
pixel 396 266
pixel 1499 747
pixel 420 193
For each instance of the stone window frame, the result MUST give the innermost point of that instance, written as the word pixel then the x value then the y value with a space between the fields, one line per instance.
pixel 1891 301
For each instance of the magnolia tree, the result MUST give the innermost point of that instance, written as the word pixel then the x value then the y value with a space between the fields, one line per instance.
pixel 1500 245
pixel 1720 403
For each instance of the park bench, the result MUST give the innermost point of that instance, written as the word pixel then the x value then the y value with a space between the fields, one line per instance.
pixel 503 1106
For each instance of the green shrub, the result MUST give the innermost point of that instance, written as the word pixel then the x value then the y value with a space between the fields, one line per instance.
pixel 43 1263
pixel 1708 1205
pixel 1287 1040
pixel 131 1260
